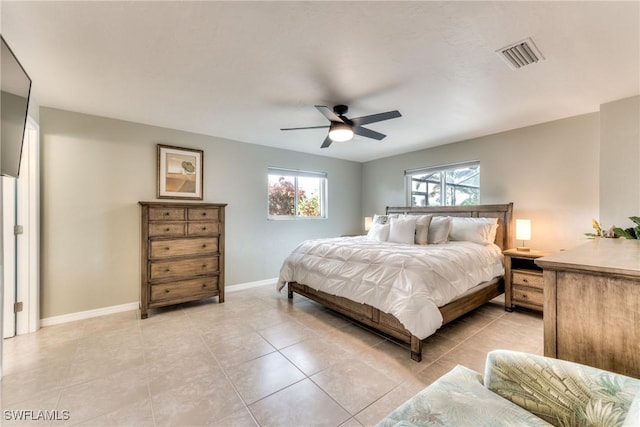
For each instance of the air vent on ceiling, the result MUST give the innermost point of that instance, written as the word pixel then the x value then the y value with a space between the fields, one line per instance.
pixel 520 54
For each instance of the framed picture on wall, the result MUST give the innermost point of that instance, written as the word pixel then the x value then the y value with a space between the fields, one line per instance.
pixel 179 173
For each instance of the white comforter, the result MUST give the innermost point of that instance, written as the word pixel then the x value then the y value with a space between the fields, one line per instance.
pixel 408 281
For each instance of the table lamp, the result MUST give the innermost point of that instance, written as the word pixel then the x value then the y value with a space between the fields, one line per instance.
pixel 368 220
pixel 523 232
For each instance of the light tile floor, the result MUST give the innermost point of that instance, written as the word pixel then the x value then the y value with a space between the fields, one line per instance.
pixel 257 359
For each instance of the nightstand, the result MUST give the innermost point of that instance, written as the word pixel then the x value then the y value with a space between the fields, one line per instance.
pixel 523 282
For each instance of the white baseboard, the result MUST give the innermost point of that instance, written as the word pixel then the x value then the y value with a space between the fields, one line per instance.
pixel 249 285
pixel 81 315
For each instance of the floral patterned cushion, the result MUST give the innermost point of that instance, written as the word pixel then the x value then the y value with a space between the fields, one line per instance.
pixel 459 398
pixel 633 417
pixel 563 393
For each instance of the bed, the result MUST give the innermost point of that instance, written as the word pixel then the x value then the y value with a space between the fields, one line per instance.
pixel 384 315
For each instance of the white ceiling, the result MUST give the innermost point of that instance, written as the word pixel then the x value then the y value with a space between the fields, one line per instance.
pixel 242 70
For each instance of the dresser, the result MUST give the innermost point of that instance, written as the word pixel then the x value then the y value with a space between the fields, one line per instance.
pixel 181 253
pixel 592 305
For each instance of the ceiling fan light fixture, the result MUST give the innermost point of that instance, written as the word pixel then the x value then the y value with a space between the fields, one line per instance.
pixel 340 132
pixel 343 129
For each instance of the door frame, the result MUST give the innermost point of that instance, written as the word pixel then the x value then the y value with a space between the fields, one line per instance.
pixel 21 257
pixel 28 244
pixel 8 256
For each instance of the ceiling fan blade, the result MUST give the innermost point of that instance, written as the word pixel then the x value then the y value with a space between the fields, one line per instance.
pixel 308 127
pixel 365 120
pixel 329 114
pixel 368 133
pixel 327 142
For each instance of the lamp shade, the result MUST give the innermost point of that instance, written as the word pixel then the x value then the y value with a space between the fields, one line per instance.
pixel 523 229
pixel 340 132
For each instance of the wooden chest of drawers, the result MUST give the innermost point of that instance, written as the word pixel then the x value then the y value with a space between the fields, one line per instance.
pixel 182 253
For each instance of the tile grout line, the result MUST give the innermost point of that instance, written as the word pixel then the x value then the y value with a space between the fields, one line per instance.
pixel 146 373
pixel 430 364
pixel 224 372
pixel 308 377
pixel 63 386
pixel 468 338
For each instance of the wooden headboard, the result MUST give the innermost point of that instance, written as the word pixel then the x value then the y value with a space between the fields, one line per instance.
pixel 504 213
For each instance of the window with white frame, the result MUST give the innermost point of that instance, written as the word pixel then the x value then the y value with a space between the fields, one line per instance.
pixel 294 194
pixel 448 185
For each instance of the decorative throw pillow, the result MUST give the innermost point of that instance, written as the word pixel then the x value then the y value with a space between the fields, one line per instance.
pixel 383 219
pixel 403 230
pixel 379 232
pixel 422 229
pixel 439 230
pixel 477 230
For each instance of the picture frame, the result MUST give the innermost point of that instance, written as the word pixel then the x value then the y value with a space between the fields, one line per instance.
pixel 180 173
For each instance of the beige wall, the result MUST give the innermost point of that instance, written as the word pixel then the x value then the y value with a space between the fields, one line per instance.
pixel 620 162
pixel 95 170
pixel 549 171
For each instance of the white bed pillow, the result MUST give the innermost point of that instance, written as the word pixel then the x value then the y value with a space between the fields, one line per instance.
pixel 379 232
pixel 403 230
pixel 439 230
pixel 422 229
pixel 477 230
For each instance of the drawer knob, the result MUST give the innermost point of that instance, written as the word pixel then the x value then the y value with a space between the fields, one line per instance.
pixel 166 214
pixel 525 280
pixel 204 214
pixel 167 270
pixel 167 229
pixel 204 228
pixel 204 265
pixel 167 248
pixel 204 245
pixel 166 291
pixel 204 285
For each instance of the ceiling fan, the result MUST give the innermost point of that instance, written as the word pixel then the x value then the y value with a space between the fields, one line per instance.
pixel 342 129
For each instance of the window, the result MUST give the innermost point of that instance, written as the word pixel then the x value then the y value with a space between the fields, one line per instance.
pixel 444 185
pixel 297 194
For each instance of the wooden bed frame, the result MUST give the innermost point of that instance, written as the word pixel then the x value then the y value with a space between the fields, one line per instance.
pixel 389 324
